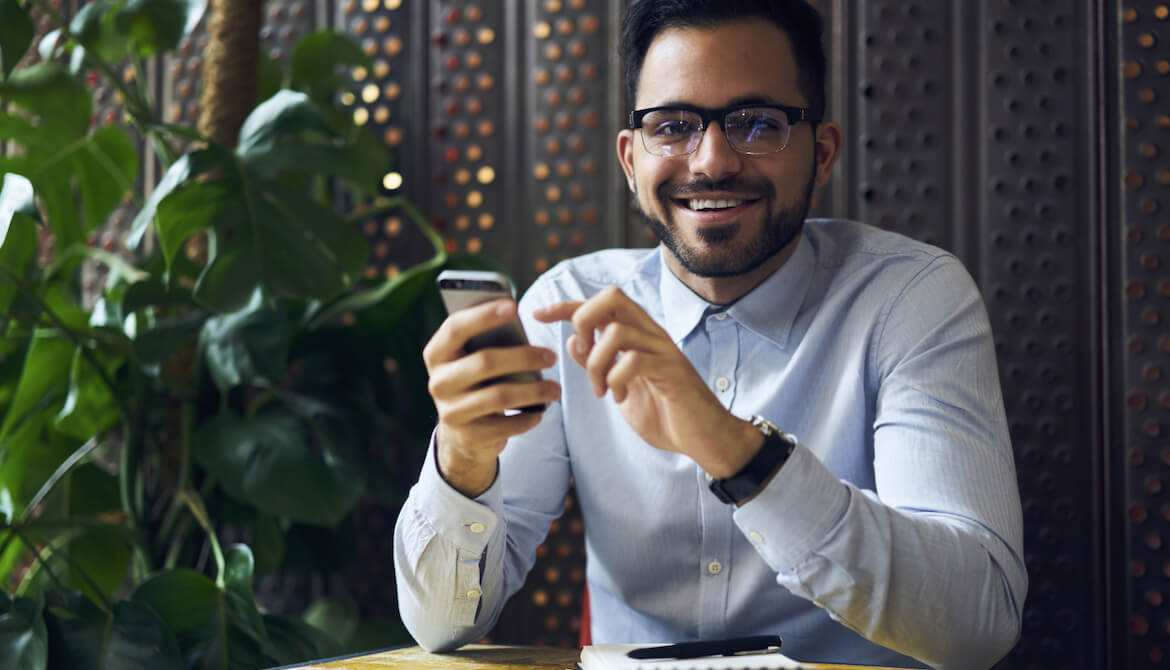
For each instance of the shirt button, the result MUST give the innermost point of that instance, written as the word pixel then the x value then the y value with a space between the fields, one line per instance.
pixel 708 476
pixel 723 383
pixel 714 567
pixel 475 527
pixel 756 537
pixel 721 316
pixel 473 594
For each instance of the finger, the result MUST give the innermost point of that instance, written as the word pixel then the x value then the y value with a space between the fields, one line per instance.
pixel 606 307
pixel 496 428
pixel 471 370
pixel 496 398
pixel 561 311
pixel 616 338
pixel 448 341
pixel 577 351
pixel 623 373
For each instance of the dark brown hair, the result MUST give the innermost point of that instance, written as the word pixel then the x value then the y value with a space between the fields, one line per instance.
pixel 644 19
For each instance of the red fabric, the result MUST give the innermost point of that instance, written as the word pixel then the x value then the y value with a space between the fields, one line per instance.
pixel 586 636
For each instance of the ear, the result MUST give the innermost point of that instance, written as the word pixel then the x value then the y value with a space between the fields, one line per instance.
pixel 625 152
pixel 829 141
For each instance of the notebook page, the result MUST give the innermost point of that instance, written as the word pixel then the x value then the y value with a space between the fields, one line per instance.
pixel 613 657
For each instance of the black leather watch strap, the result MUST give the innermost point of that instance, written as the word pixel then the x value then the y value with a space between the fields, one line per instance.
pixel 752 477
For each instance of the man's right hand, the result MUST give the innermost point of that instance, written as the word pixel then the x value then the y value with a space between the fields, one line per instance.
pixel 473 428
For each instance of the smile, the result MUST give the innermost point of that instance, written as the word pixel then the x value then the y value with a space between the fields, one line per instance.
pixel 706 204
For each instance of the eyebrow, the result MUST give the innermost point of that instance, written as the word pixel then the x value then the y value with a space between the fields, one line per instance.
pixel 741 100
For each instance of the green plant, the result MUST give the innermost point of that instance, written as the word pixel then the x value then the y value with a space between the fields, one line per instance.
pixel 266 387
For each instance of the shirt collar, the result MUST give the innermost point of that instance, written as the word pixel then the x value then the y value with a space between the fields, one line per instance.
pixel 768 310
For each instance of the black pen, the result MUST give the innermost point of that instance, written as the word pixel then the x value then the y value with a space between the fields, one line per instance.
pixel 729 647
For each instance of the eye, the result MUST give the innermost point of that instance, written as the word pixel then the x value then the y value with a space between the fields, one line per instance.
pixel 755 121
pixel 671 128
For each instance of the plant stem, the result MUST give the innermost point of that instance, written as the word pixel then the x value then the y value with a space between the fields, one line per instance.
pixel 163 150
pixel 51 525
pixel 172 556
pixel 66 465
pixel 199 511
pixel 40 559
pixel 105 602
pixel 4 545
pixel 175 509
pixel 72 337
pixel 127 471
pixel 416 217
pixel 127 481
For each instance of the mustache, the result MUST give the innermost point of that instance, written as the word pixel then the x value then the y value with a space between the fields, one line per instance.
pixel 756 188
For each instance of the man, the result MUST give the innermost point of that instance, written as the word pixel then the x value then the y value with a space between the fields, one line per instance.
pixel 879 524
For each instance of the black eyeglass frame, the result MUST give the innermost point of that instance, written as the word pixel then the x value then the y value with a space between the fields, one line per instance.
pixel 717 115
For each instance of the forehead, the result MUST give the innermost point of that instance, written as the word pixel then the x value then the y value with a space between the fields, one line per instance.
pixel 713 66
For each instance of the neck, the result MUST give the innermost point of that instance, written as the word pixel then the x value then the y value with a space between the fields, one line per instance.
pixel 726 290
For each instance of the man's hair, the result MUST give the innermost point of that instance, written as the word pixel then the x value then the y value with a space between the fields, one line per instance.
pixel 644 19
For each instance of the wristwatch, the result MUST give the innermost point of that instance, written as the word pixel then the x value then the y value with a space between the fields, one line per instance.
pixel 751 478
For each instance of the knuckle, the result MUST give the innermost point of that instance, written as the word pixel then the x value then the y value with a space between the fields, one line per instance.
pixel 480 363
pixel 428 352
pixel 498 395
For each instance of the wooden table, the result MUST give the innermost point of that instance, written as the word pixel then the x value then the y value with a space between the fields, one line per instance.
pixel 483 657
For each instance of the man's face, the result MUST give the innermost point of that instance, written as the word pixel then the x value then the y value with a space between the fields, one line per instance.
pixel 768 194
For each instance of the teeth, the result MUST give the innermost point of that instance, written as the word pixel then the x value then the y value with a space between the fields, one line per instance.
pixel 714 204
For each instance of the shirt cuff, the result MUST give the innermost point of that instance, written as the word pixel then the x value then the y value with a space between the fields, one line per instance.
pixel 793 515
pixel 466 522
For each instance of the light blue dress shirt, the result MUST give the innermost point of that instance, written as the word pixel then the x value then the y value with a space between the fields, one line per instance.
pixel 895 524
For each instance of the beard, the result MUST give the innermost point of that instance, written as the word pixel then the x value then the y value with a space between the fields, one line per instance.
pixel 722 256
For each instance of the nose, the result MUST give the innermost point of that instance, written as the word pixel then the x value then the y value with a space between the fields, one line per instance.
pixel 714 158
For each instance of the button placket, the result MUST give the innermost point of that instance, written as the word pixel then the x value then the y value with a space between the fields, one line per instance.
pixel 724 355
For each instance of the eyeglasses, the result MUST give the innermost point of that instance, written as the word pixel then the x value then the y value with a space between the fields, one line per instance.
pixel 752 129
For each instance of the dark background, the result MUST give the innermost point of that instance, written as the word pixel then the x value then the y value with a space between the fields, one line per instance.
pixel 1027 136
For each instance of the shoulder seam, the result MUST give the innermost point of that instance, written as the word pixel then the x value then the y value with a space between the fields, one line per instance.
pixel 888 309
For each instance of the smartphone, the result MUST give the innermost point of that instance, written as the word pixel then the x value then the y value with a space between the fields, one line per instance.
pixel 461 289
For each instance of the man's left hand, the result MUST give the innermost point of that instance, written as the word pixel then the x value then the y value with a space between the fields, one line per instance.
pixel 656 388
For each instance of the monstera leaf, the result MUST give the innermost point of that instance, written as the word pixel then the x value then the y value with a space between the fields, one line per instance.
pixel 60 155
pixel 297 467
pixel 265 232
pixel 217 623
pixel 16 33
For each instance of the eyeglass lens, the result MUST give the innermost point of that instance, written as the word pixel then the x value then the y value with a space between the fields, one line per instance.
pixel 749 130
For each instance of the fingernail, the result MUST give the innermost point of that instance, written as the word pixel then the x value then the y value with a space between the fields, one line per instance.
pixel 579 346
pixel 504 309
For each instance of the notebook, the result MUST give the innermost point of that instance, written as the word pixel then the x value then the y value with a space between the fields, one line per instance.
pixel 613 657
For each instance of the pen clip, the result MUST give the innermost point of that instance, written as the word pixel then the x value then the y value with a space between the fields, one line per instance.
pixel 728 647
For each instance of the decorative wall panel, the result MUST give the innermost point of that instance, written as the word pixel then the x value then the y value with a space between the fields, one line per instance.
pixel 570 147
pixel 1037 249
pixel 973 125
pixel 390 98
pixel 1142 394
pixel 469 100
pixel 906 133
